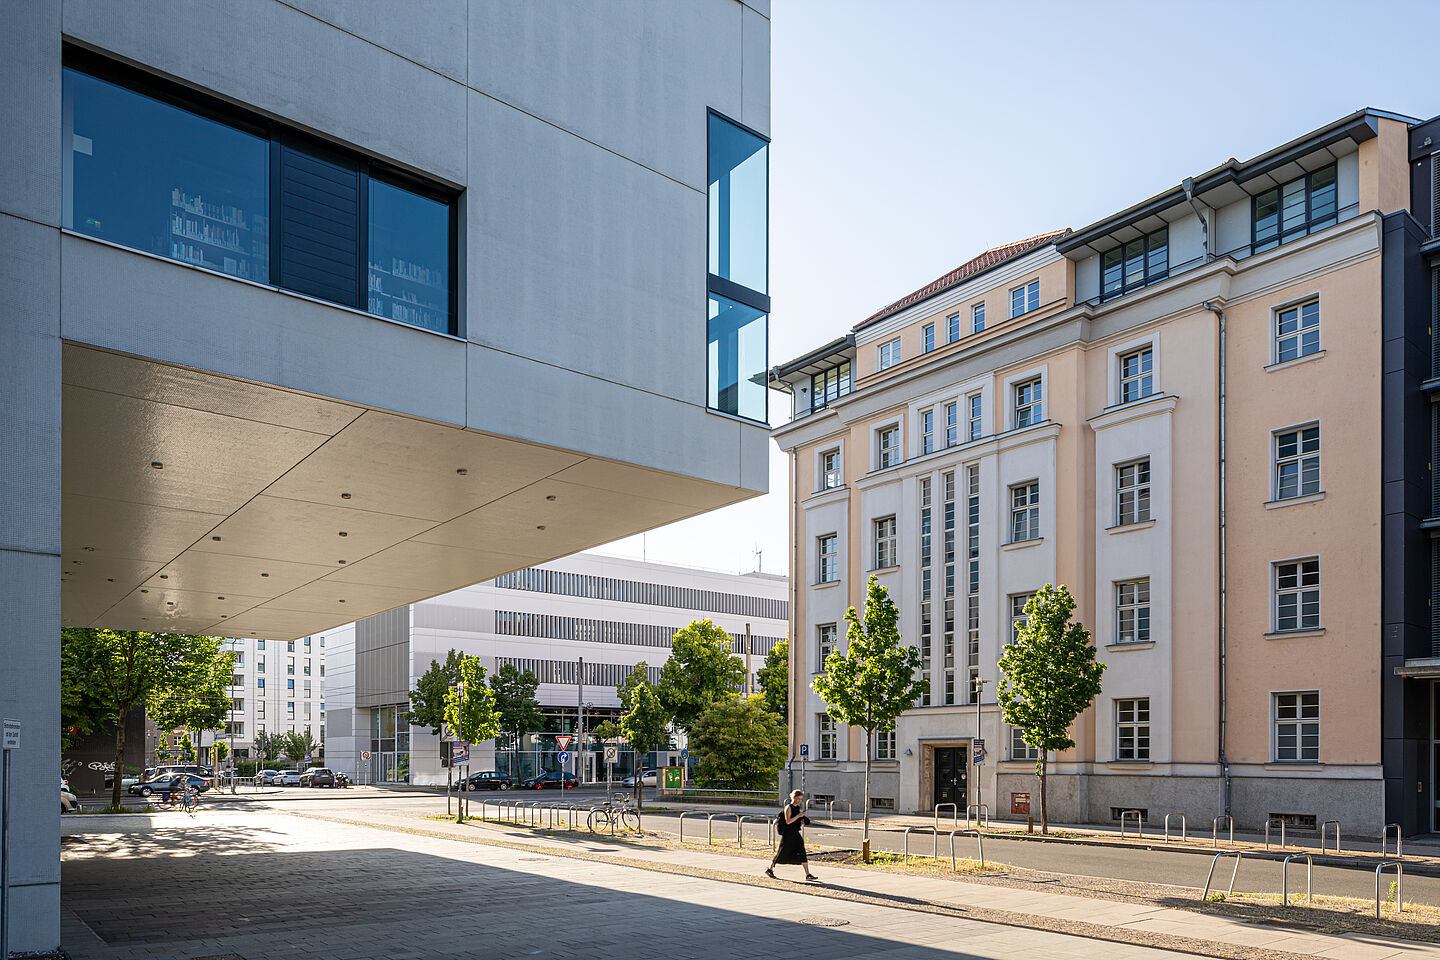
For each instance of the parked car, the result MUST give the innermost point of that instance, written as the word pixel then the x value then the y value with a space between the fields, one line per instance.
pixel 647 779
pixel 266 777
pixel 287 778
pixel 69 803
pixel 160 786
pixel 551 780
pixel 318 777
pixel 490 780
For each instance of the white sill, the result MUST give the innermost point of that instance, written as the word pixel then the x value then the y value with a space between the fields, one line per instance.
pixel 1295 634
pixel 825 583
pixel 1292 764
pixel 893 567
pixel 1022 544
pixel 1131 527
pixel 1136 645
pixel 1284 364
pixel 1128 764
pixel 1291 501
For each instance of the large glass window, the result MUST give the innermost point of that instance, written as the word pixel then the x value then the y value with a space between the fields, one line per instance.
pixel 828 385
pixel 1134 264
pixel 1297 462
pixel 1297 594
pixel 738 266
pixel 149 175
pixel 1295 209
pixel 409 258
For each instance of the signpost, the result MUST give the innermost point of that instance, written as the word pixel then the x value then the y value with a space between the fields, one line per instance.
pixel 564 758
pixel 804 752
pixel 9 740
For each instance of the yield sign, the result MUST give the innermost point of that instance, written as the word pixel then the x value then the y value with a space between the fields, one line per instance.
pixel 563 742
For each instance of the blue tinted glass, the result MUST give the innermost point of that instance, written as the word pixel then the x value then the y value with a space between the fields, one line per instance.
pixel 409 257
pixel 737 357
pixel 739 205
pixel 161 179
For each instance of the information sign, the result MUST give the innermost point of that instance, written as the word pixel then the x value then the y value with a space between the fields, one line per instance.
pixel 804 750
pixel 364 754
pixel 979 751
pixel 11 737
pixel 460 753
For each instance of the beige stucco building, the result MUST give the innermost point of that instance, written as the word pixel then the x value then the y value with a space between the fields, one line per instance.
pixel 1138 410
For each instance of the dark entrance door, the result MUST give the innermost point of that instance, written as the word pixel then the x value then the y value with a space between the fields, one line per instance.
pixel 951 774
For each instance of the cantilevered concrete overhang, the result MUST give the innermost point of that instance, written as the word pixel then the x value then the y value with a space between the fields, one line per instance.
pixel 200 503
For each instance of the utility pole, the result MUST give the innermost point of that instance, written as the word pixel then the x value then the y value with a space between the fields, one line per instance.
pixel 749 684
pixel 979 690
pixel 580 720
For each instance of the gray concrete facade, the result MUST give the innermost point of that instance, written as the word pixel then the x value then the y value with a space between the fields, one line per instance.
pixel 576 137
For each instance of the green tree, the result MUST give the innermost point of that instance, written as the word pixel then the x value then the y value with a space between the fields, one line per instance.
pixel 774 680
pixel 199 694
pixel 606 730
pixel 296 745
pixel 644 726
pixel 874 680
pixel 186 747
pixel 702 669
pixel 1048 676
pixel 268 746
pixel 640 673
pixel 515 703
pixel 222 750
pixel 427 700
pixel 740 744
pixel 470 710
pixel 125 669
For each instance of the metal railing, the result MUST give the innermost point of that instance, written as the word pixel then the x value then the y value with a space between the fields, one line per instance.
pixel 1125 815
pixel 1385 840
pixel 954 814
pixel 979 846
pixel 830 810
pixel 1183 833
pixel 1238 855
pixel 1323 831
pixel 978 809
pixel 740 829
pixel 710 825
pixel 688 813
pixel 1267 833
pixel 1215 831
pixel 1399 873
pixel 1285 877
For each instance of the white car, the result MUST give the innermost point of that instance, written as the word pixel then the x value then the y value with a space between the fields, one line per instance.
pixel 69 803
pixel 287 778
pixel 647 779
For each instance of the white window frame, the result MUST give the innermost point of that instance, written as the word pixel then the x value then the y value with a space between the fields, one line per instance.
pixel 831 475
pixel 1298 590
pixel 1278 339
pixel 1143 378
pixel 952 424
pixel 1132 723
pixel 1016 611
pixel 977 317
pixel 887 354
pixel 1300 459
pixel 1297 717
pixel 827 737
pixel 1033 407
pixel 885 744
pixel 952 328
pixel 975 415
pixel 1132 603
pixel 832 555
pixel 927 338
pixel 1019 749
pixel 883 529
pixel 1137 493
pixel 891 453
pixel 927 431
pixel 1026 512
pixel 827 638
pixel 1029 298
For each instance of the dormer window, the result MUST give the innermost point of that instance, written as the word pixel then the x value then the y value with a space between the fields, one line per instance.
pixel 1294 209
pixel 829 385
pixel 1134 264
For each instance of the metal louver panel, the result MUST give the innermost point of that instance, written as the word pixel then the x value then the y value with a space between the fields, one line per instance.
pixel 1435 322
pixel 1435 598
pixel 1435 194
pixel 319 236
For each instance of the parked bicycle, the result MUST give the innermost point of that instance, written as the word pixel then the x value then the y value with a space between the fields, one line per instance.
pixel 611 815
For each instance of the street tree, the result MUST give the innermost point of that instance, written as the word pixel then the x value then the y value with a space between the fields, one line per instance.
pixel 515 703
pixel 470 710
pixel 774 679
pixel 186 747
pixel 427 700
pixel 873 680
pixel 740 743
pixel 222 750
pixel 644 726
pixel 268 746
pixel 640 673
pixel 1048 677
pixel 606 730
pixel 199 696
pixel 125 669
pixel 702 669
pixel 296 746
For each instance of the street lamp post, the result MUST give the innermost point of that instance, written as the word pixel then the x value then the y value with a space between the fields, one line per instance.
pixel 979 690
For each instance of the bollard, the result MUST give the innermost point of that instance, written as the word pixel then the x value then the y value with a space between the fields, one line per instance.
pixel 1139 823
pixel 1337 837
pixel 1183 835
pixel 1215 831
pixel 1384 840
pixel 1285 877
pixel 1399 872
pixel 1267 833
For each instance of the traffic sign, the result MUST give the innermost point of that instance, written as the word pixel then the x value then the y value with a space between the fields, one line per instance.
pixel 364 754
pixel 11 737
pixel 563 740
pixel 804 750
pixel 684 754
pixel 447 733
pixel 612 753
pixel 564 757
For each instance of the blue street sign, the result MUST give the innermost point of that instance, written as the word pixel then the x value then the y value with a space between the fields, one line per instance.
pixel 804 750
pixel 564 756
pixel 684 754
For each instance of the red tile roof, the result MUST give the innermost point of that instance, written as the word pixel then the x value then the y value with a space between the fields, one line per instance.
pixel 990 258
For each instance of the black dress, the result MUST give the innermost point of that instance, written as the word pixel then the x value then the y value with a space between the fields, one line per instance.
pixel 792 844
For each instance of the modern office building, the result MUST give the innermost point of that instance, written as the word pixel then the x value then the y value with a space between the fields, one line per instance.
pixel 327 308
pixel 608 612
pixel 1138 409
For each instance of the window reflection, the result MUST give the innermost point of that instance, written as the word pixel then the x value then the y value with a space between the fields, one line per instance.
pixel 739 199
pixel 737 355
pixel 409 257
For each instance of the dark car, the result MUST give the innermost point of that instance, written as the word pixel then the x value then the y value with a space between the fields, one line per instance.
pixel 318 777
pixel 490 780
pixel 551 780
pixel 160 786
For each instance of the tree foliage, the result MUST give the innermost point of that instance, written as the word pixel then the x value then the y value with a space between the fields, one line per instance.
pixel 874 680
pixel 268 746
pixel 606 730
pixel 198 693
pixel 1048 677
pixel 740 744
pixel 640 673
pixel 644 725
pixel 427 700
pixel 515 703
pixel 124 668
pixel 470 705
pixel 186 748
pixel 774 680
pixel 702 669
pixel 296 745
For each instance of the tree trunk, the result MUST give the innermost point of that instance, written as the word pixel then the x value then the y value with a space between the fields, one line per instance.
pixel 119 757
pixel 1044 815
pixel 865 834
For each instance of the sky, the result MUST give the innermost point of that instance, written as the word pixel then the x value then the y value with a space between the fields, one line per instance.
pixel 910 136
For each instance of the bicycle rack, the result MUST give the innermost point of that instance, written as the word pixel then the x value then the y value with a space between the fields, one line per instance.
pixel 1399 872
pixel 849 810
pixel 1215 831
pixel 1183 834
pixel 1267 833
pixel 483 805
pixel 979 844
pixel 979 809
pixel 710 825
pixel 1238 855
pixel 740 828
pixel 1337 837
pixel 1385 841
pixel 688 813
pixel 954 814
pixel 905 848
pixel 1139 823
pixel 1285 877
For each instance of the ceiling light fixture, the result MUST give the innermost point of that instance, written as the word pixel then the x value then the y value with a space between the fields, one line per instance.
pixel 89 549
pixel 551 498
pixel 540 527
pixel 264 574
pixel 164 576
pixel 342 601
pixel 344 496
pixel 342 561
pixel 216 539
pixel 344 534
pixel 109 579
pixel 157 464
pixel 462 471
pixel 143 590
pixel 219 598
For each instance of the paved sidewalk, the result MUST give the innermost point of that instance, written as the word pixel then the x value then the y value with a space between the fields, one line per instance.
pixel 976 899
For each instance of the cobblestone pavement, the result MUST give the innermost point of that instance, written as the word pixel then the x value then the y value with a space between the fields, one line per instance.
pixel 261 885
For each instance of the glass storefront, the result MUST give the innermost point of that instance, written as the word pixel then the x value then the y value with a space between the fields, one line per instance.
pixel 390 744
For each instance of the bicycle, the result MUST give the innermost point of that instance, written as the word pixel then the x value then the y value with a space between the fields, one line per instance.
pixel 611 815
pixel 187 800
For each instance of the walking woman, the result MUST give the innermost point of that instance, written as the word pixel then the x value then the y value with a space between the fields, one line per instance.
pixel 792 843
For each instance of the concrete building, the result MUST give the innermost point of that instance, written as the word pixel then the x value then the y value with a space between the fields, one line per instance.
pixel 1137 409
pixel 279 687
pixel 327 308
pixel 613 613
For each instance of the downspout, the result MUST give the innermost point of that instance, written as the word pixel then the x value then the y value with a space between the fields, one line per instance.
pixel 1220 494
pixel 795 571
pixel 1188 185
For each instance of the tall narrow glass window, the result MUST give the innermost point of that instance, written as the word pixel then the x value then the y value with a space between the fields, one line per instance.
pixel 738 267
pixel 409 257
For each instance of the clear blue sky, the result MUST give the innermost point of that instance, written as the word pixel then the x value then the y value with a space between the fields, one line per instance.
pixel 909 136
